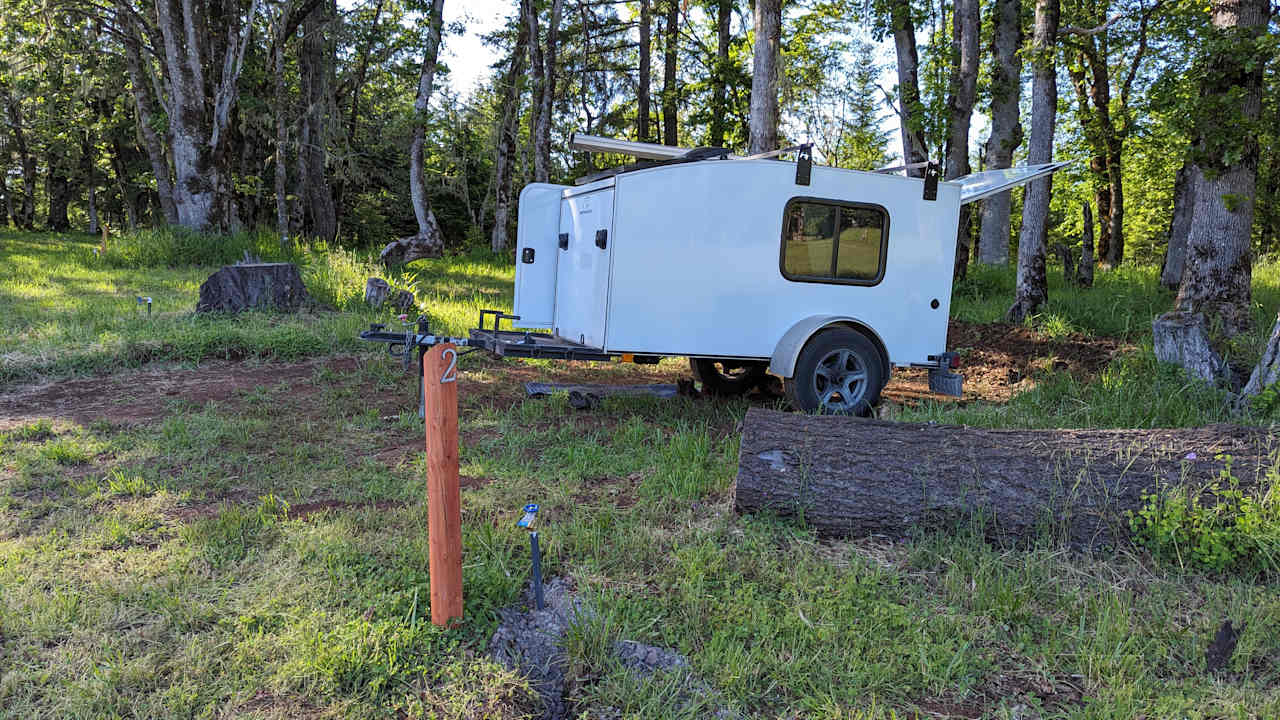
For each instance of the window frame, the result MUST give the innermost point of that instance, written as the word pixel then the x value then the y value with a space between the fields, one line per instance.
pixel 831 202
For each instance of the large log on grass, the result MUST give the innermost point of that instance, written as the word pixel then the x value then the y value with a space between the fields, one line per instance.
pixel 263 286
pixel 849 477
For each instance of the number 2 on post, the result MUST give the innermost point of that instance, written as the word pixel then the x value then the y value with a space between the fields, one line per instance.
pixel 450 372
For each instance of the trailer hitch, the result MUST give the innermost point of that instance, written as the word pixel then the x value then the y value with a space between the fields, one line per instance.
pixel 417 336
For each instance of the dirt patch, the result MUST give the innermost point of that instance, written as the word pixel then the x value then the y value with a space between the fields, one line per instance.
pixel 144 396
pixel 607 490
pixel 999 361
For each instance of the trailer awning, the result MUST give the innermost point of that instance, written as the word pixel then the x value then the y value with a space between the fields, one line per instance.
pixel 985 184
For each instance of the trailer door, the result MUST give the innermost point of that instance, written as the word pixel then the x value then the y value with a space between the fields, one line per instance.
pixel 537 224
pixel 582 282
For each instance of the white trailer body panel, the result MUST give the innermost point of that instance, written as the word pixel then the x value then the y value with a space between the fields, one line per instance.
pixel 582 276
pixel 697 269
pixel 536 223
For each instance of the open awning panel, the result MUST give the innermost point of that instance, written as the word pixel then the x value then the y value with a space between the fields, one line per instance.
pixel 985 184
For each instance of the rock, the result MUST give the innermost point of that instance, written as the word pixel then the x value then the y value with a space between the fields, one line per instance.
pixel 376 291
pixel 256 286
pixel 1180 339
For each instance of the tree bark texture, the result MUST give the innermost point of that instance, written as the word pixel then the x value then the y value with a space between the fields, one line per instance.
pixel 510 122
pixel 1032 286
pixel 261 286
pixel 720 74
pixel 1084 274
pixel 57 191
pixel 129 193
pixel 643 77
pixel 848 477
pixel 1219 269
pixel 966 25
pixel 141 84
pixel 1175 254
pixel 25 218
pixel 910 106
pixel 281 178
pixel 1182 338
pixel 1006 131
pixel 429 242
pixel 764 76
pixel 1267 372
pixel 203 47
pixel 537 81
pixel 542 121
pixel 670 87
pixel 315 71
pixel 6 208
pixel 1094 138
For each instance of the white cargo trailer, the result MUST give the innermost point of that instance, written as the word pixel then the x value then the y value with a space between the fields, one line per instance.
pixel 825 277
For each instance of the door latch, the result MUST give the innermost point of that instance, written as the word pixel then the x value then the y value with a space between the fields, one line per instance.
pixel 602 239
pixel 564 241
pixel 527 255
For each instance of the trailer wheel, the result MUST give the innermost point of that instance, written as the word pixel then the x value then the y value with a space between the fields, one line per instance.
pixel 839 372
pixel 727 377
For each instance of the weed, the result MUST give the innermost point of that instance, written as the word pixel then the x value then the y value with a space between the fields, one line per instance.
pixel 65 451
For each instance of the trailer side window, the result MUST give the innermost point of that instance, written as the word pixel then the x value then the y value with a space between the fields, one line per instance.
pixel 829 242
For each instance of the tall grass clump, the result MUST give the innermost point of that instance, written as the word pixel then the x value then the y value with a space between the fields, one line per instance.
pixel 179 247
pixel 336 277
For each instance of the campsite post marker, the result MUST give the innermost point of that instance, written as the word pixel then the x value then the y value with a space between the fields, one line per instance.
pixel 444 511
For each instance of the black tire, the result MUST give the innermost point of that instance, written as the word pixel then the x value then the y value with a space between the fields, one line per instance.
pixel 727 377
pixel 839 372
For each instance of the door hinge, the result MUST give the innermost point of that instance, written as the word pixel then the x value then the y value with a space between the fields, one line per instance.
pixel 602 239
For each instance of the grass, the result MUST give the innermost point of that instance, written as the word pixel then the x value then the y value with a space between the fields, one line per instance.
pixel 172 569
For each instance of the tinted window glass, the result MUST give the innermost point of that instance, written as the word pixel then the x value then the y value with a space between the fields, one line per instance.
pixel 823 241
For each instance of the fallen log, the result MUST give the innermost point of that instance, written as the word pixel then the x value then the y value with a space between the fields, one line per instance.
pixel 848 477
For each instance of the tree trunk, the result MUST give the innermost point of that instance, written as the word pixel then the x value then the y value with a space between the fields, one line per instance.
pixel 57 190
pixel 1032 286
pixel 1216 278
pixel 510 121
pixel 149 113
pixel 26 216
pixel 1006 131
pixel 529 15
pixel 670 90
pixel 911 110
pixel 542 120
pixel 646 49
pixel 128 192
pixel 1175 254
pixel 1094 138
pixel 362 74
pixel 282 139
pixel 6 207
pixel 1115 182
pixel 847 477
pixel 764 76
pixel 720 76
pixel 89 174
pixel 315 70
pixel 1084 276
pixel 966 25
pixel 429 242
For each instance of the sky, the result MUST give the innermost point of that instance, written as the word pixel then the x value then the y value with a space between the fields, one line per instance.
pixel 470 60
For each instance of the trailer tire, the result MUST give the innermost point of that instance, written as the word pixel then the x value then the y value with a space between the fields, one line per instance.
pixel 833 364
pixel 735 378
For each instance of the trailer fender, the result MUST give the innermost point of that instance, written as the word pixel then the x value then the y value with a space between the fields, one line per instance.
pixel 783 361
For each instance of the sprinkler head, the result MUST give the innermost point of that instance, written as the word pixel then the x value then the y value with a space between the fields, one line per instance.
pixel 530 513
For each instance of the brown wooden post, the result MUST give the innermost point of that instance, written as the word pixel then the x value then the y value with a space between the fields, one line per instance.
pixel 444 504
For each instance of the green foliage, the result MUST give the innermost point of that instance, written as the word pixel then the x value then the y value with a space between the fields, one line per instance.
pixel 1220 528
pixel 179 247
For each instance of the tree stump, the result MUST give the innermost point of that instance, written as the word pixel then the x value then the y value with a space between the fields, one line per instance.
pixel 376 291
pixel 849 477
pixel 258 286
pixel 1084 273
pixel 1180 339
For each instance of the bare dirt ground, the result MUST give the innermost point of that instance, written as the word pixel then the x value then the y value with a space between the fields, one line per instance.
pixel 998 361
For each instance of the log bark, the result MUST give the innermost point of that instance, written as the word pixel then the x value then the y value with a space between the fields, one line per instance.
pixel 1006 131
pixel 258 286
pixel 1032 285
pixel 847 477
pixel 764 76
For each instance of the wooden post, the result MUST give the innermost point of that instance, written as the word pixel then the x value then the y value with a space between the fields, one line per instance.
pixel 444 504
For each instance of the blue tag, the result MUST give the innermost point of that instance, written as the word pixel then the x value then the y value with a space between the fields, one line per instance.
pixel 530 512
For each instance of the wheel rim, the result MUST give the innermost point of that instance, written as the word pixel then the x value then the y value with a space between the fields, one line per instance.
pixel 840 381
